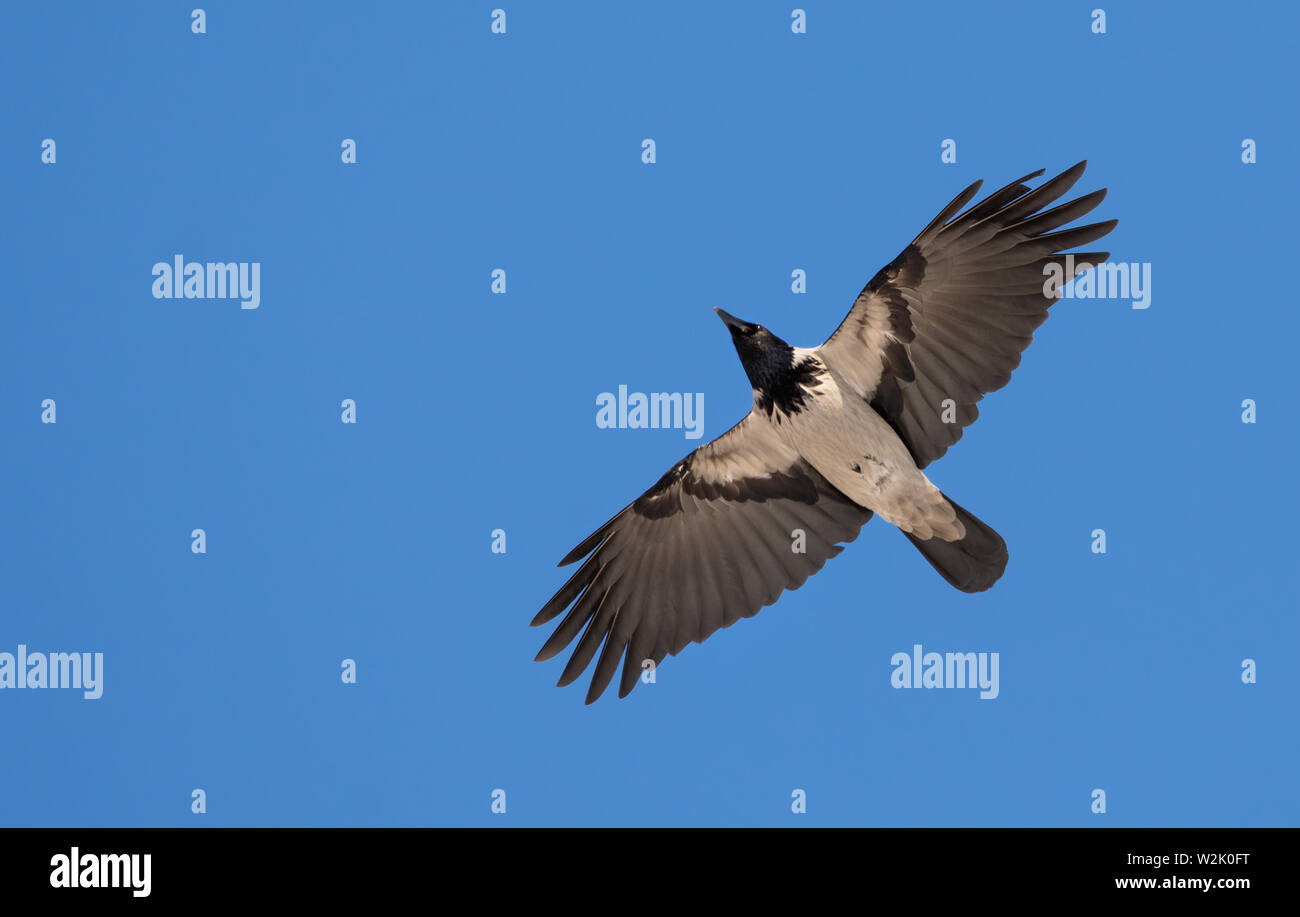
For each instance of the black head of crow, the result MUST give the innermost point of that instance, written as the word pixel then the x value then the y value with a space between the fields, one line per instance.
pixel 775 372
pixel 763 354
pixel 838 433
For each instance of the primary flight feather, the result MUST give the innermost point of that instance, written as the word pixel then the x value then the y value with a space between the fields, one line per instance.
pixel 837 433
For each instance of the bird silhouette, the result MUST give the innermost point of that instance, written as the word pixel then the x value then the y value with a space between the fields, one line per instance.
pixel 836 434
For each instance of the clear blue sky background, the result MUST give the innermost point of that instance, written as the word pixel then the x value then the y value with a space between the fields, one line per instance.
pixel 775 151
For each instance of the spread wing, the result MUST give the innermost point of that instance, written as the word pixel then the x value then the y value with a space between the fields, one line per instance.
pixel 949 317
pixel 713 541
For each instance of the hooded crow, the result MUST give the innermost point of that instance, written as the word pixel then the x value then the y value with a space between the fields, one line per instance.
pixel 836 433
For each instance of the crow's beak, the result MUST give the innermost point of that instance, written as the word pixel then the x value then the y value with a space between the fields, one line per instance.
pixel 731 321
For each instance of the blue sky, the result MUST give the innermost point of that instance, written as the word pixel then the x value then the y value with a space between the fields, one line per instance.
pixel 476 411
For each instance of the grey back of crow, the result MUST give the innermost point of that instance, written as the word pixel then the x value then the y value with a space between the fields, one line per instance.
pixel 837 433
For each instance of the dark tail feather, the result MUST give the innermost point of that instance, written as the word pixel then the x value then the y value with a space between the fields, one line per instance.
pixel 973 564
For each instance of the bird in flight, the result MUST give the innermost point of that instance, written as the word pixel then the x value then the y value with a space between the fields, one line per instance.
pixel 837 433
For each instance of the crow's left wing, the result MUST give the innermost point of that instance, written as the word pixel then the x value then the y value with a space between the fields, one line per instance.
pixel 714 540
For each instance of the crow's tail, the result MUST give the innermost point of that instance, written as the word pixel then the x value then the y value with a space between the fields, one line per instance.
pixel 972 564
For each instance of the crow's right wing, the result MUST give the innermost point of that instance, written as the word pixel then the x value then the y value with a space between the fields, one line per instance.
pixel 949 317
